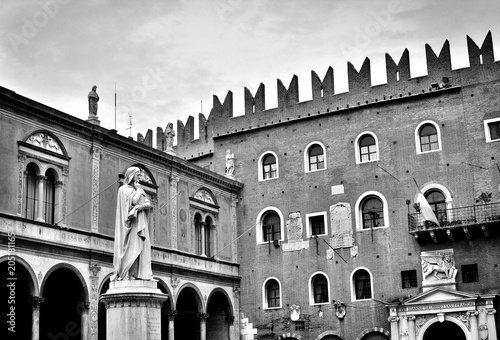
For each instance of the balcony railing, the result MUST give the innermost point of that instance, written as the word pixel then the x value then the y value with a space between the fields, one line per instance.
pixel 481 215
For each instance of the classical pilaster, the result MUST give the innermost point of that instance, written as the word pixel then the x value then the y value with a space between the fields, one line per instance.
pixel 234 246
pixel 394 327
pixel 21 159
pixel 474 331
pixel 230 322
pixel 490 319
pixel 96 160
pixel 173 210
pixel 35 318
pixel 64 194
pixel 94 300
pixel 411 327
pixel 203 325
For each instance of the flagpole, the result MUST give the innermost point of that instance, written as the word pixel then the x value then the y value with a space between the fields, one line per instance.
pixel 418 188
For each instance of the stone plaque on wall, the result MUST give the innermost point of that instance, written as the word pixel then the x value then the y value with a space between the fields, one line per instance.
pixel 340 220
pixel 294 226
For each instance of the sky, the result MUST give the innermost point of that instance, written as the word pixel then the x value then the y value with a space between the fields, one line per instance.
pixel 167 58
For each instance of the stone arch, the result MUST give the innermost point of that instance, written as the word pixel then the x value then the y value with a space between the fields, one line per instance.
pixel 198 295
pixel 328 333
pixel 374 330
pixel 446 318
pixel 287 336
pixel 146 171
pixel 190 312
pixel 31 272
pixel 199 193
pixel 51 135
pixel 72 268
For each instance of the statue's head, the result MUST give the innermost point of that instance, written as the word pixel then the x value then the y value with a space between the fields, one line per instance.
pixel 94 87
pixel 130 174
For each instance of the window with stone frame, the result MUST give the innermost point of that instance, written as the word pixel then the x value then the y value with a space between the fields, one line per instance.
pixel 272 291
pixel 409 279
pixel 470 273
pixel 372 210
pixel 271 227
pixel 367 149
pixel 429 139
pixel 269 167
pixel 317 225
pixel 320 288
pixel 362 285
pixel 316 158
pixel 492 130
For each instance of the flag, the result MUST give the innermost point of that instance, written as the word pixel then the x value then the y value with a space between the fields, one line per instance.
pixel 426 210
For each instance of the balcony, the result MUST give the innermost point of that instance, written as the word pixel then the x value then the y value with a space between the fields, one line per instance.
pixel 464 223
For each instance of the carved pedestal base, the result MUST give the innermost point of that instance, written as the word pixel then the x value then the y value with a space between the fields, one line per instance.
pixel 133 310
pixel 94 120
pixel 171 151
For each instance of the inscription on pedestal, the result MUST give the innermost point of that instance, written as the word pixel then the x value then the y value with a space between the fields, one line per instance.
pixel 154 325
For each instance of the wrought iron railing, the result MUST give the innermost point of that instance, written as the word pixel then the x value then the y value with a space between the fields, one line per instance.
pixel 482 214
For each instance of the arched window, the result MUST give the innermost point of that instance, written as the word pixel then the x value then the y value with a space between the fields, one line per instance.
pixel 366 148
pixel 362 285
pixel 198 239
pixel 319 288
pixel 316 158
pixel 49 197
pixel 428 138
pixel 269 169
pixel 271 227
pixel 372 210
pixel 30 191
pixel 437 201
pixel 208 238
pixel 272 294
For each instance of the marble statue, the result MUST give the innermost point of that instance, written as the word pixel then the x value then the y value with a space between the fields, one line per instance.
pixel 170 134
pixel 93 99
pixel 229 163
pixel 132 248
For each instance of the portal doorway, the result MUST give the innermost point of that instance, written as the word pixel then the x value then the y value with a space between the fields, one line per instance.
pixel 446 330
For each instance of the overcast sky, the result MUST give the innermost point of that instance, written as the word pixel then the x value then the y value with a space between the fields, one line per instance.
pixel 168 56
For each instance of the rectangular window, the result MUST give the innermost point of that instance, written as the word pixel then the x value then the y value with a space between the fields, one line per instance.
pixel 269 171
pixel 368 153
pixel 470 273
pixel 492 130
pixel 299 325
pixel 409 278
pixel 317 224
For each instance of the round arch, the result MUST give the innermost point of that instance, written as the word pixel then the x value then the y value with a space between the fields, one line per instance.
pixel 311 289
pixel 356 149
pixel 358 209
pixel 351 282
pixel 328 333
pixel 197 294
pixel 417 136
pixel 258 224
pixel 446 318
pixel 145 169
pixel 264 293
pixel 289 336
pixel 306 156
pixel 52 135
pixel 74 270
pixel 374 330
pixel 26 265
pixel 260 169
pixel 446 192
pixel 202 190
pixel 220 290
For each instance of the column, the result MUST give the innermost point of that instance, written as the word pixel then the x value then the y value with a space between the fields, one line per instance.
pixel 94 300
pixel 234 246
pixel 171 322
pixel 35 318
pixel 39 203
pixel 203 325
pixel 394 327
pixel 490 319
pixel 21 183
pixel 411 327
pixel 474 331
pixel 230 321
pixel 84 310
pixel 58 202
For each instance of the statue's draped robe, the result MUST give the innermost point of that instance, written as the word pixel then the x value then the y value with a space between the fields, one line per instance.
pixel 93 99
pixel 132 249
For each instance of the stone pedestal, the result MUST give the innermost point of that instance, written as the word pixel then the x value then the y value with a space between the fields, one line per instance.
pixel 94 120
pixel 171 151
pixel 133 310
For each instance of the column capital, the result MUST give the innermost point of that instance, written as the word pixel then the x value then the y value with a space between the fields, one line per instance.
pixel 410 317
pixel 230 319
pixel 84 306
pixel 491 311
pixel 472 313
pixel 393 319
pixel 94 269
pixel 36 301
pixel 171 314
pixel 203 316
pixel 41 177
